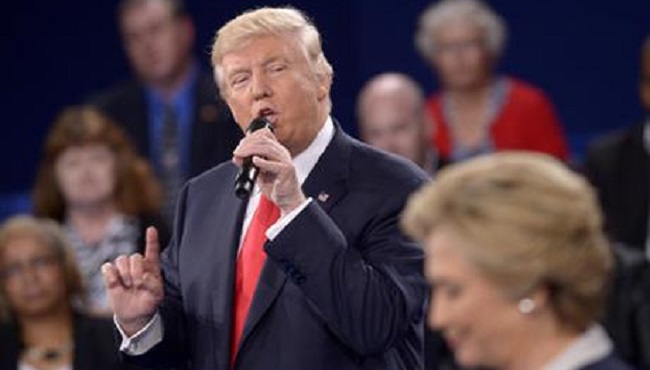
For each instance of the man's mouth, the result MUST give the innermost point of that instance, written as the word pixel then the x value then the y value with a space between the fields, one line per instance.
pixel 268 114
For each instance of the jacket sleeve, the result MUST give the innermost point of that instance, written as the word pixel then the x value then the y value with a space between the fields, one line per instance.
pixel 368 292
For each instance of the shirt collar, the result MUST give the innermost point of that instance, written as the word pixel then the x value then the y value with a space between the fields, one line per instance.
pixel 307 159
pixel 183 93
pixel 590 347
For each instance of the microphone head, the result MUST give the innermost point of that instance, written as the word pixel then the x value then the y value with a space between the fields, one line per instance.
pixel 258 124
pixel 245 180
pixel 244 187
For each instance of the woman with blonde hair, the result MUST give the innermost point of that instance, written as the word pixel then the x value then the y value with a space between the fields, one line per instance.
pixel 518 263
pixel 92 182
pixel 42 324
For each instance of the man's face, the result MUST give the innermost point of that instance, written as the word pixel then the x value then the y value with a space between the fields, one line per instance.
pixel 644 86
pixel 270 76
pixel 157 43
pixel 394 125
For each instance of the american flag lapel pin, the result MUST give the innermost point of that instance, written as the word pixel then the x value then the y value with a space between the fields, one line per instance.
pixel 323 197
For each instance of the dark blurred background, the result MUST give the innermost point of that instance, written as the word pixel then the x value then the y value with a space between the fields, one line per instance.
pixel 584 54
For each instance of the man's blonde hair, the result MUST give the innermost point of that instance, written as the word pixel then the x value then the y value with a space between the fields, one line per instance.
pixel 530 223
pixel 271 21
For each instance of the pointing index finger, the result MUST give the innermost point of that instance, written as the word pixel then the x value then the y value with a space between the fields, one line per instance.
pixel 152 247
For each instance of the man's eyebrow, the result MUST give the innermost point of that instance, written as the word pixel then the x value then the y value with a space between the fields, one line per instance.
pixel 274 59
pixel 237 70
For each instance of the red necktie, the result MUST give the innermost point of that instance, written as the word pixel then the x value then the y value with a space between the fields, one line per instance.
pixel 249 266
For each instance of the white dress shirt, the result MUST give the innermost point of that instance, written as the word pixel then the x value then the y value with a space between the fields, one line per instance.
pixel 152 333
pixel 590 347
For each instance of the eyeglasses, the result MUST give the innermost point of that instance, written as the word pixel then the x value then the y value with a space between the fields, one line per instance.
pixel 14 270
pixel 459 46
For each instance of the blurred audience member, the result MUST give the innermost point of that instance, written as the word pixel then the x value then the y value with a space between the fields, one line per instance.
pixel 41 325
pixel 477 111
pixel 518 263
pixel 393 116
pixel 91 181
pixel 627 316
pixel 173 111
pixel 619 167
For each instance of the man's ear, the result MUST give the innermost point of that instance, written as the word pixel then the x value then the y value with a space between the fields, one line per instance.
pixel 324 82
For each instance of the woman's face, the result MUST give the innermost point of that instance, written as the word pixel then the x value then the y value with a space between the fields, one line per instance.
pixel 86 175
pixel 32 277
pixel 479 323
pixel 461 58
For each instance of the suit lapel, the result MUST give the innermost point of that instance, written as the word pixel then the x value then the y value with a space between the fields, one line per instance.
pixel 326 184
pixel 635 176
pixel 222 262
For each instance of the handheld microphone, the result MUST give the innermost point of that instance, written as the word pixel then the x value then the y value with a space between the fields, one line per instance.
pixel 245 180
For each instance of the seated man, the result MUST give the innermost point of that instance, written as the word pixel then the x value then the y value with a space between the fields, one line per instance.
pixel 169 111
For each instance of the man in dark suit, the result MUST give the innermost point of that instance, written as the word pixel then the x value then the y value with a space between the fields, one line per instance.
pixel 172 111
pixel 311 271
pixel 619 167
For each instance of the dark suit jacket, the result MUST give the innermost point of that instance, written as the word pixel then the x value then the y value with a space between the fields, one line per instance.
pixel 627 317
pixel 342 287
pixel 619 167
pixel 94 345
pixel 610 362
pixel 214 133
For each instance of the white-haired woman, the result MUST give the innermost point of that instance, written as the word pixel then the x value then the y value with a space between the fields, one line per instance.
pixel 518 264
pixel 476 111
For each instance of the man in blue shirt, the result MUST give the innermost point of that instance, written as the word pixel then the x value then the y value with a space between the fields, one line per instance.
pixel 172 110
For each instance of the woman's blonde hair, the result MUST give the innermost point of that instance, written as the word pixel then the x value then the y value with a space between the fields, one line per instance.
pixel 46 233
pixel 271 21
pixel 530 222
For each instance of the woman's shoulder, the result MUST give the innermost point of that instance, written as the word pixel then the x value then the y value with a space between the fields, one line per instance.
pixel 526 93
pixel 8 331
pixel 88 326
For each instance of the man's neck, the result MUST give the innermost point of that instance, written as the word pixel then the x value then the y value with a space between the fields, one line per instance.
pixel 169 88
pixel 297 150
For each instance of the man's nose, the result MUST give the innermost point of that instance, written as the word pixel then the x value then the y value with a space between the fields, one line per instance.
pixel 260 86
